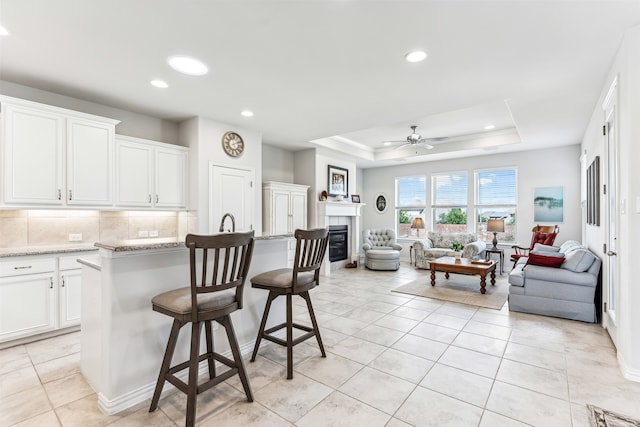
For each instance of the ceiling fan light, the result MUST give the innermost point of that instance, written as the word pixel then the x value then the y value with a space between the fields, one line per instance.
pixel 416 56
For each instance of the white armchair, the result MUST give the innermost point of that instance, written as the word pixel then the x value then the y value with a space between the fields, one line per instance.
pixel 381 251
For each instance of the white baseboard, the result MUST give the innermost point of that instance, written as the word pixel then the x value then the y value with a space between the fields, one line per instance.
pixel 127 400
pixel 629 373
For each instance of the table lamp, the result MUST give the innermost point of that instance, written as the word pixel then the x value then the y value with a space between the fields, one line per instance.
pixel 418 224
pixel 496 226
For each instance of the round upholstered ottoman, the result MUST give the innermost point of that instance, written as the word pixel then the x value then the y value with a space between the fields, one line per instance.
pixel 381 259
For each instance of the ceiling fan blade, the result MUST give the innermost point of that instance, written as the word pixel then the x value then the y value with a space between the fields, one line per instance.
pixel 395 142
pixel 435 139
pixel 424 145
pixel 406 144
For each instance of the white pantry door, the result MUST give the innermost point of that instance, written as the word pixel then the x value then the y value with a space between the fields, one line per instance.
pixel 231 191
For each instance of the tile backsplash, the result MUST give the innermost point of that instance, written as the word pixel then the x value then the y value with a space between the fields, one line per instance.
pixel 52 227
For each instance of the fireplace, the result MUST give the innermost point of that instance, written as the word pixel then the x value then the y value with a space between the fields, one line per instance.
pixel 338 242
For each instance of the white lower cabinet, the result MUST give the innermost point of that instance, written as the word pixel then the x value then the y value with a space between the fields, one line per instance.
pixel 70 292
pixel 27 298
pixel 38 294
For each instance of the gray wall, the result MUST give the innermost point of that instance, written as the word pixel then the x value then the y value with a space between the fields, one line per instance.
pixel 538 168
pixel 277 164
pixel 131 124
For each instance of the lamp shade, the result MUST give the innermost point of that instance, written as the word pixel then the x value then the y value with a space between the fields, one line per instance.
pixel 495 225
pixel 417 223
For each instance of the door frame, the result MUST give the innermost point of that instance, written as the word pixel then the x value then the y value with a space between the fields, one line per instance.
pixel 252 171
pixel 611 264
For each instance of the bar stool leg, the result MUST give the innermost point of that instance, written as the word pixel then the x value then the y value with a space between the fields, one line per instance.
pixel 237 357
pixel 192 395
pixel 166 363
pixel 208 331
pixel 263 324
pixel 312 314
pixel 289 337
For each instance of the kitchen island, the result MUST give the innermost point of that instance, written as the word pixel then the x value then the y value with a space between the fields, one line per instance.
pixel 123 339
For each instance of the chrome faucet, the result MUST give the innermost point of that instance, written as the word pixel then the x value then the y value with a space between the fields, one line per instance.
pixel 233 222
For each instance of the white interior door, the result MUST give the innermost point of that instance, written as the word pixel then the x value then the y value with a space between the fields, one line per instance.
pixel 610 276
pixel 231 191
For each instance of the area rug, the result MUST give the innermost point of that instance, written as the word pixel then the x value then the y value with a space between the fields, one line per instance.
pixel 459 288
pixel 603 418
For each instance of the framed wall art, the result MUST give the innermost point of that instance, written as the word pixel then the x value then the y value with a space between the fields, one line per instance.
pixel 338 184
pixel 548 204
pixel 381 203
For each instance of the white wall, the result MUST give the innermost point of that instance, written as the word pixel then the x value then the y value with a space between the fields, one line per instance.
pixel 131 124
pixel 627 68
pixel 538 168
pixel 277 164
pixel 204 136
pixel 304 172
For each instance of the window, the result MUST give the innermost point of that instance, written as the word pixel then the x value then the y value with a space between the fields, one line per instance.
pixel 411 203
pixel 496 198
pixel 449 205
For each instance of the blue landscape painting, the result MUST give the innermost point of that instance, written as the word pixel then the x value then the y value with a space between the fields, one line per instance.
pixel 548 204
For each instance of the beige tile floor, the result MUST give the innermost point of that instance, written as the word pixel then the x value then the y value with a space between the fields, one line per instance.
pixel 392 360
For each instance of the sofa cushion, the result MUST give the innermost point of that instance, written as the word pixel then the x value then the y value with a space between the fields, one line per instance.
pixel 539 247
pixel 569 245
pixel 549 254
pixel 545 261
pixel 578 260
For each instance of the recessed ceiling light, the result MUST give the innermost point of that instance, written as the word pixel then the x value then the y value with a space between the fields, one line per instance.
pixel 489 127
pixel 386 143
pixel 187 65
pixel 416 56
pixel 159 83
pixel 247 113
pixel 3 31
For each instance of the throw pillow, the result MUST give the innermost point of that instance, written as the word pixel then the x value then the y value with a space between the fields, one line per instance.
pixel 544 238
pixel 579 260
pixel 545 253
pixel 544 261
pixel 539 247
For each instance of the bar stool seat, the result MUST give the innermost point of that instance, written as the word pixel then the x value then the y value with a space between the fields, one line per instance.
pixel 214 299
pixel 311 246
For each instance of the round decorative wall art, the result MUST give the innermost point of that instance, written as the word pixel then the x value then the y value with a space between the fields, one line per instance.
pixel 381 203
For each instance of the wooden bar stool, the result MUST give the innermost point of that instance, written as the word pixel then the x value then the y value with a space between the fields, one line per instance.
pixel 311 246
pixel 203 302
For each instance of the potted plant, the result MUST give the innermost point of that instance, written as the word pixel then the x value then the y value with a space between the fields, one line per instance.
pixel 457 247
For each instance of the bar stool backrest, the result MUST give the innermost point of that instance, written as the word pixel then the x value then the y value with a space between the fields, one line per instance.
pixel 311 247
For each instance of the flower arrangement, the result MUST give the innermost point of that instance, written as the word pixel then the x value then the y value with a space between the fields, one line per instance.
pixel 457 246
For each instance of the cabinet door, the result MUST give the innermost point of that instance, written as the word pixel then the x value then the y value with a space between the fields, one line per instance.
pixel 170 178
pixel 70 297
pixel 280 215
pixel 33 161
pixel 27 305
pixel 89 163
pixel 134 174
pixel 298 210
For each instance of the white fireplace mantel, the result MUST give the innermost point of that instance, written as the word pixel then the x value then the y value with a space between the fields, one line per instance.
pixel 329 209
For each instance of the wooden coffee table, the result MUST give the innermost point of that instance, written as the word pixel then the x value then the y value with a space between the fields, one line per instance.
pixel 463 266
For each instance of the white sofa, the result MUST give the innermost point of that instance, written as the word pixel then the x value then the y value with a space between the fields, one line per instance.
pixel 438 244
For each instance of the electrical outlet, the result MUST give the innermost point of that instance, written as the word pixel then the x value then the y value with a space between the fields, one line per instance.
pixel 75 237
pixel 153 233
pixel 214 326
pixel 142 233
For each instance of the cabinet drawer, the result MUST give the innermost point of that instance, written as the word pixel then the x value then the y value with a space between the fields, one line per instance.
pixel 69 262
pixel 18 267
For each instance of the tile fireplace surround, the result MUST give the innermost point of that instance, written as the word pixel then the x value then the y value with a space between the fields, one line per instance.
pixel 342 213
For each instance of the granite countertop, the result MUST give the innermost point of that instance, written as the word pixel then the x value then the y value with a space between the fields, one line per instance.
pixel 163 243
pixel 46 249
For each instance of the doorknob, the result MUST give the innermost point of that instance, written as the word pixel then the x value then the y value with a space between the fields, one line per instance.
pixel 611 253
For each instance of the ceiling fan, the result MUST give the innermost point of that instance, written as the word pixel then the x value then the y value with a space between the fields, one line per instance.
pixel 416 140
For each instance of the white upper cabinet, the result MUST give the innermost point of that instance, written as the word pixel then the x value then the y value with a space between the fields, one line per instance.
pixel 150 174
pixel 170 177
pixel 33 155
pixel 285 207
pixel 35 138
pixel 89 163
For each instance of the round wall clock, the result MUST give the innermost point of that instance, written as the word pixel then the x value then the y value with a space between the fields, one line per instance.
pixel 232 144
